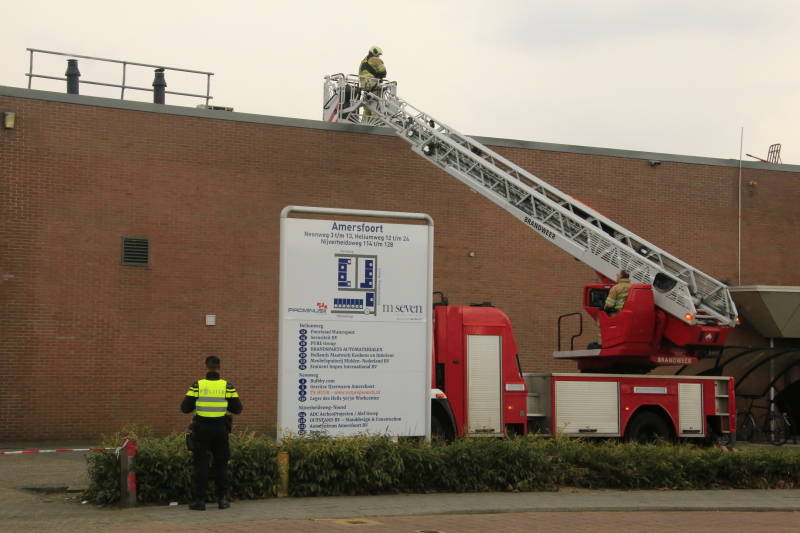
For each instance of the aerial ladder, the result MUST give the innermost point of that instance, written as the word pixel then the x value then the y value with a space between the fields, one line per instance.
pixel 687 314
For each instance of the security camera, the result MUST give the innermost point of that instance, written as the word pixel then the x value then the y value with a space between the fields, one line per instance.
pixel 654 162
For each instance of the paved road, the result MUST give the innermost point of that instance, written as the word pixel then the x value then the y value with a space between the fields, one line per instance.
pixel 569 510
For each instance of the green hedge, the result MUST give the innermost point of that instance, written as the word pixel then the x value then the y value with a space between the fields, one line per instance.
pixel 374 464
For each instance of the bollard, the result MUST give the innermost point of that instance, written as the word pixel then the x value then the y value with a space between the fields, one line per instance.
pixel 283 469
pixel 159 87
pixel 72 74
pixel 127 466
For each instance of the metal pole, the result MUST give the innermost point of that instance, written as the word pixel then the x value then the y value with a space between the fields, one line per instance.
pixel 127 468
pixel 772 391
pixel 208 88
pixel 122 96
pixel 30 71
pixel 741 143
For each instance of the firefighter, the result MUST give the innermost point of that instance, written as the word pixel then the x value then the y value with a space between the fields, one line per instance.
pixel 614 302
pixel 370 72
pixel 618 293
pixel 210 398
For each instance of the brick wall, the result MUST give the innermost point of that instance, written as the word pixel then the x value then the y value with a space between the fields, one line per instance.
pixel 88 345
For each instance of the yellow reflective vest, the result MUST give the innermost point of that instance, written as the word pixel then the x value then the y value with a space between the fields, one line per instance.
pixel 212 397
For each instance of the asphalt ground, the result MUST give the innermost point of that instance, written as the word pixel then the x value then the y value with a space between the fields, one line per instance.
pixel 41 492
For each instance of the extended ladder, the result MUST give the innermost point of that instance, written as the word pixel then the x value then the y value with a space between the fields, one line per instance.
pixel 680 289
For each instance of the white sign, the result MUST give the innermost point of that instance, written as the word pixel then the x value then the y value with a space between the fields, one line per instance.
pixel 355 327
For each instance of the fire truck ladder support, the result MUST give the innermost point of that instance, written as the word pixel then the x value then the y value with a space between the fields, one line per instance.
pixel 680 289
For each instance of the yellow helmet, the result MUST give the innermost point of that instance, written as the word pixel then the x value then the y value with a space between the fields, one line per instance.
pixel 375 50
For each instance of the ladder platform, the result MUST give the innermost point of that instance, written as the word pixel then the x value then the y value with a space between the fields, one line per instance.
pixel 576 354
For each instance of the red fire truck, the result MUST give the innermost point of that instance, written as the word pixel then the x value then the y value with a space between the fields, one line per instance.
pixel 483 390
pixel 674 313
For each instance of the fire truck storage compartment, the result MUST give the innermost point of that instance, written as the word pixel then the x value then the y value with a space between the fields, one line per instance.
pixel 602 405
pixel 587 407
pixel 540 418
pixel 690 409
pixel 484 407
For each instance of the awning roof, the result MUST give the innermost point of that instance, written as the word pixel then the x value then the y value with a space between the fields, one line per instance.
pixel 774 311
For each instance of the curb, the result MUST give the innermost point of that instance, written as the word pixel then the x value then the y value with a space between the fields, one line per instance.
pixel 623 509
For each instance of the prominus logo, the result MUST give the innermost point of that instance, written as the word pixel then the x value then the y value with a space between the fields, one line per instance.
pixel 305 310
pixel 416 309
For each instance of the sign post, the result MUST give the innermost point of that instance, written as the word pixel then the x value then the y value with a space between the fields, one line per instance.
pixel 355 335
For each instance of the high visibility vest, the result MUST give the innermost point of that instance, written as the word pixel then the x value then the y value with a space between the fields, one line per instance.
pixel 212 398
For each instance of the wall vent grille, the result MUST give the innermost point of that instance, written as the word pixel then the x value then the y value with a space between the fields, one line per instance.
pixel 135 252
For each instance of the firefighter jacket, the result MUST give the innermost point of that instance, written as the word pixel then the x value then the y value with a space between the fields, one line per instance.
pixel 371 67
pixel 617 296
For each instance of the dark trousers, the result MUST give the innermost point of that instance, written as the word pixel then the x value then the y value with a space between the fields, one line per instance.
pixel 211 438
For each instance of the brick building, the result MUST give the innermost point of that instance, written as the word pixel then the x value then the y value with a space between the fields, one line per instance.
pixel 88 344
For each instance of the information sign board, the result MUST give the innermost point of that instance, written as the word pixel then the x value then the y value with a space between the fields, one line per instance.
pixel 355 337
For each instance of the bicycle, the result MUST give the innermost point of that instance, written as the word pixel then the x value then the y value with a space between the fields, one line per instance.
pixel 773 426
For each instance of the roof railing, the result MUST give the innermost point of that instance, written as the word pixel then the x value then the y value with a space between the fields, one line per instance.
pixel 125 65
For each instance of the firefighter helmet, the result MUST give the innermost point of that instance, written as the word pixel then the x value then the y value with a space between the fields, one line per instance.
pixel 375 50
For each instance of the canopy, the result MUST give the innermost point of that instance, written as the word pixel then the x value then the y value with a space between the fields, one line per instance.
pixel 774 311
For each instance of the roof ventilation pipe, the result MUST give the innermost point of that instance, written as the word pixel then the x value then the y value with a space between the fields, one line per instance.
pixel 159 87
pixel 72 74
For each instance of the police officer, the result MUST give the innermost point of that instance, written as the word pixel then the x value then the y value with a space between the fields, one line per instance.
pixel 210 398
pixel 370 72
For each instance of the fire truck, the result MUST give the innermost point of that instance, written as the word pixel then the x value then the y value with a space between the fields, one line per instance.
pixel 673 315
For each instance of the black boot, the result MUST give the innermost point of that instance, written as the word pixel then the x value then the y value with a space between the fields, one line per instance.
pixel 199 505
pixel 223 502
pixel 594 346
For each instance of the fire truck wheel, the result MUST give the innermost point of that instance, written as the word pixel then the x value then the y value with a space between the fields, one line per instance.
pixel 647 427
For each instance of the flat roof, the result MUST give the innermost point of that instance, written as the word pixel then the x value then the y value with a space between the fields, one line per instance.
pixel 16 92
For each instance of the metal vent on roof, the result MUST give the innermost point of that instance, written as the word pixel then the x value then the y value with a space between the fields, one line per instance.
pixel 135 252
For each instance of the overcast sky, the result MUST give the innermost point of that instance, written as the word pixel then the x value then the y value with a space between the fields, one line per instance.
pixel 672 76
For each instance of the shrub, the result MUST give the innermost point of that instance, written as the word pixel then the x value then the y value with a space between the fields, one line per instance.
pixel 164 470
pixel 375 464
